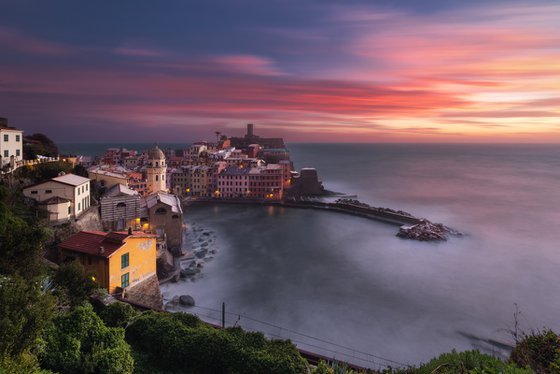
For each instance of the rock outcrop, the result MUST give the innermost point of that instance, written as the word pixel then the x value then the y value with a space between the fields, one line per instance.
pixel 427 231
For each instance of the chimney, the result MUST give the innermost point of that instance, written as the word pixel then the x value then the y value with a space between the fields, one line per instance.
pixel 101 250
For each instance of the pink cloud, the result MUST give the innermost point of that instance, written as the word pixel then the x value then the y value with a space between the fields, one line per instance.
pixel 248 64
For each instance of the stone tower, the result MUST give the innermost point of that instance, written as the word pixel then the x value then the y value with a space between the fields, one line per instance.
pixel 156 171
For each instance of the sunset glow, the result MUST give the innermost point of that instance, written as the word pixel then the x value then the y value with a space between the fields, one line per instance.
pixel 309 71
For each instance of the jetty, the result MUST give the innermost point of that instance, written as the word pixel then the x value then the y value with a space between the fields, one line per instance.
pixel 410 227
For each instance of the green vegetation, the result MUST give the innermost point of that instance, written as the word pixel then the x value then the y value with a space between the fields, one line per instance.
pixel 42 172
pixel 183 344
pixel 471 362
pixel 38 144
pixel 79 342
pixel 538 350
pixel 72 283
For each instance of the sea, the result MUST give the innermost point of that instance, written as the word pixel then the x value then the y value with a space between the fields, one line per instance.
pixel 349 289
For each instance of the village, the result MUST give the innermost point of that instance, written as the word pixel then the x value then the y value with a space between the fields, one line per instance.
pixel 126 215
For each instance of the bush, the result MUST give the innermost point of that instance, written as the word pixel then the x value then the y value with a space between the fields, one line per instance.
pixel 117 314
pixel 79 342
pixel 73 284
pixel 183 344
pixel 472 362
pixel 539 350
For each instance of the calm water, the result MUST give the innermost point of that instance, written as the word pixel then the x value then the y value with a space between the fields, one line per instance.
pixel 350 281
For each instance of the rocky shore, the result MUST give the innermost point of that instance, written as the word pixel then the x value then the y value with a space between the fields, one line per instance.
pixel 201 243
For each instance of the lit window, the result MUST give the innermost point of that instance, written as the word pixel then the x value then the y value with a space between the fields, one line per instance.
pixel 125 281
pixel 124 261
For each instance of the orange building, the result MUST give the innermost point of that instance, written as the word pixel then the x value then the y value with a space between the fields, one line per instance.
pixel 117 260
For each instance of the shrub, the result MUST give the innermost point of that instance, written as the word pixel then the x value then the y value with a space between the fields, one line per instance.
pixel 472 362
pixel 117 314
pixel 79 342
pixel 183 344
pixel 539 350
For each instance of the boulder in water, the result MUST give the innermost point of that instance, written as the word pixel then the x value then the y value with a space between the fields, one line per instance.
pixel 186 300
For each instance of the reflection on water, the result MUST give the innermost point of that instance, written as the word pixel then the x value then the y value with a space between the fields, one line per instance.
pixel 351 281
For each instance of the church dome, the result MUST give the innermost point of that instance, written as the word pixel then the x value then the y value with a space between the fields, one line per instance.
pixel 156 154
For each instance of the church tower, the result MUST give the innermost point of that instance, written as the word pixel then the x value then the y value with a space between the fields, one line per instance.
pixel 156 171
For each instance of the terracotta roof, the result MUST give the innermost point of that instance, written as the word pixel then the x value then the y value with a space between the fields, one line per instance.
pixel 98 243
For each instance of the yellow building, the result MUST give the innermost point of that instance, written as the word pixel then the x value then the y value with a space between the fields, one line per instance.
pixel 117 260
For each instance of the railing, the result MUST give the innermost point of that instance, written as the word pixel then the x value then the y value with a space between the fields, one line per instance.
pixel 37 161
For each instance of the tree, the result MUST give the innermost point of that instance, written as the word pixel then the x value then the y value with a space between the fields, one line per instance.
pixel 38 144
pixel 25 311
pixel 17 256
pixel 79 342
pixel 118 314
pixel 73 284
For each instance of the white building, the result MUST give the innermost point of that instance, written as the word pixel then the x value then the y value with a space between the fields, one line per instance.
pixel 11 144
pixel 71 187
pixel 156 171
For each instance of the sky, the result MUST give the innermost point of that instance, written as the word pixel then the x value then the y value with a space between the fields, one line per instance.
pixel 309 71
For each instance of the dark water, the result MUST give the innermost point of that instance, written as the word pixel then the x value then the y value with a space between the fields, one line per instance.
pixel 350 281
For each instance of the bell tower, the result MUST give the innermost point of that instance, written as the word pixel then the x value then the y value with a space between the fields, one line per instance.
pixel 156 171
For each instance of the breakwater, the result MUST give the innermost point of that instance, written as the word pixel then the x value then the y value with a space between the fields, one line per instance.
pixel 411 227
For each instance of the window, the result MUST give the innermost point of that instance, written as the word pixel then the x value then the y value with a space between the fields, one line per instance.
pixel 6 138
pixel 121 205
pixel 18 153
pixel 161 211
pixel 87 187
pixel 78 191
pixel 6 153
pixel 17 138
pixel 34 192
pixel 48 191
pixel 124 261
pixel 69 210
pixel 157 177
pixel 125 281
pixel 79 206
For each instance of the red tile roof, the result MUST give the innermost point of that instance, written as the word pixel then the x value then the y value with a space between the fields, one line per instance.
pixel 91 242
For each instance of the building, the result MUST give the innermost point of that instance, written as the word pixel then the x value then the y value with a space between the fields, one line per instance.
pixel 266 182
pixel 57 210
pixel 250 138
pixel 120 208
pixel 11 144
pixel 165 217
pixel 116 260
pixel 156 171
pixel 306 183
pixel 233 182
pixel 112 175
pixel 71 187
pixel 109 175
